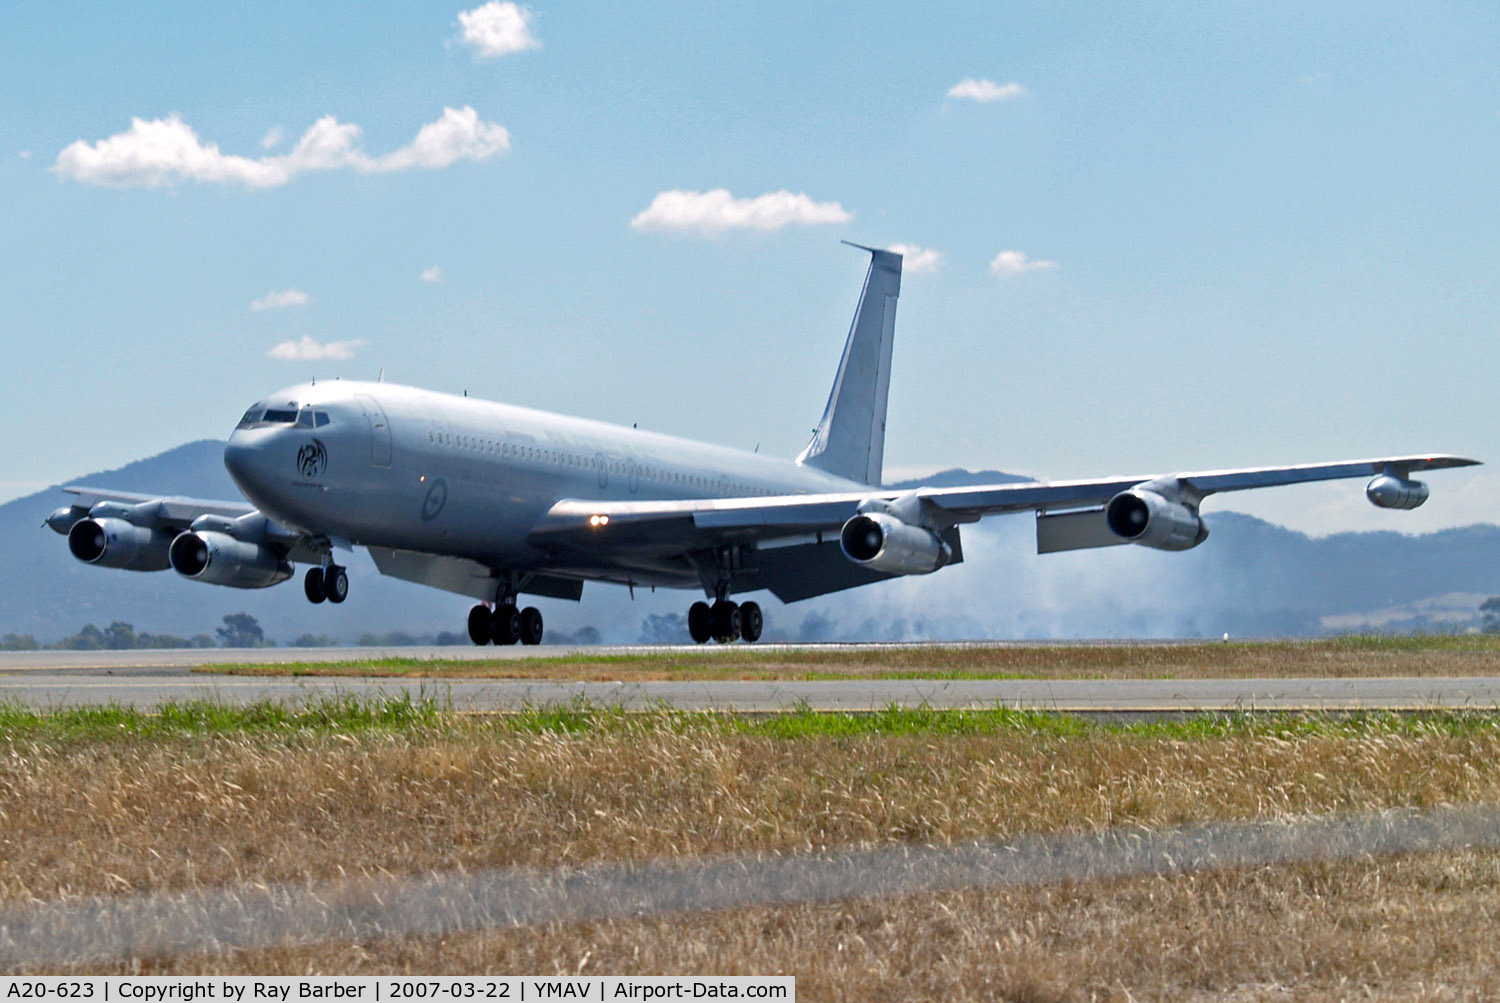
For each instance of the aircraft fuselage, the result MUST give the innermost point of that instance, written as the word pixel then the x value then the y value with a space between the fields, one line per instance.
pixel 385 465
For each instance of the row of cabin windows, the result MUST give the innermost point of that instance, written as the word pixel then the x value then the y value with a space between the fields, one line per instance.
pixel 563 458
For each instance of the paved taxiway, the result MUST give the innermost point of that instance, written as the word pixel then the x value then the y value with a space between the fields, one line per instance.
pixel 150 678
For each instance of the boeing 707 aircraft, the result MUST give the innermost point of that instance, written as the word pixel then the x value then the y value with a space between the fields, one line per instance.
pixel 496 502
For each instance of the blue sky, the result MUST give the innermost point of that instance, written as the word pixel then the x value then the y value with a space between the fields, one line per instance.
pixel 1175 237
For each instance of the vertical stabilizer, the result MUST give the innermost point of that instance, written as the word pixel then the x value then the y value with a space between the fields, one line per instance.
pixel 850 440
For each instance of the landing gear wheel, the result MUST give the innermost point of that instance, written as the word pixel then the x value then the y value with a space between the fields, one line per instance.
pixel 725 617
pixel 479 625
pixel 751 622
pixel 506 624
pixel 312 584
pixel 531 625
pixel 700 622
pixel 335 583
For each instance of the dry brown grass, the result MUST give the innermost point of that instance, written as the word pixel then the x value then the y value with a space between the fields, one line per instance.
pixel 103 817
pixel 1412 928
pixel 1404 928
pixel 1341 657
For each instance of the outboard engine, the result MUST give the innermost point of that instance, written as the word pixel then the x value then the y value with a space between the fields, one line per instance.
pixel 115 543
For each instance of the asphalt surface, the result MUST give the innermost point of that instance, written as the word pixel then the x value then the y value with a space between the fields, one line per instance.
pixel 148 679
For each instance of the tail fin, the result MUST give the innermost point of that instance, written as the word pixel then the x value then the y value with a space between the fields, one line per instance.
pixel 850 440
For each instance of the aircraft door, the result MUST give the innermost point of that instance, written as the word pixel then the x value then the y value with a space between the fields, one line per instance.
pixel 380 431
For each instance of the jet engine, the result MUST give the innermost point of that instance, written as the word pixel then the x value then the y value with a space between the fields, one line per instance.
pixel 116 543
pixel 882 542
pixel 220 559
pixel 1155 521
pixel 1388 491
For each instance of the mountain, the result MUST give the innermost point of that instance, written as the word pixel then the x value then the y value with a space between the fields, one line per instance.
pixel 1250 579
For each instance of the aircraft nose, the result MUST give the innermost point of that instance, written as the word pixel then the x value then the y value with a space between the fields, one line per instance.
pixel 240 456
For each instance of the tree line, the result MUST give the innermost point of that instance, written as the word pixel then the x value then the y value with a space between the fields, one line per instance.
pixel 239 630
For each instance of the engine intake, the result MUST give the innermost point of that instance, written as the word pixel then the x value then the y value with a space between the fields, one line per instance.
pixel 1388 491
pixel 115 543
pixel 1152 520
pixel 884 543
pixel 220 559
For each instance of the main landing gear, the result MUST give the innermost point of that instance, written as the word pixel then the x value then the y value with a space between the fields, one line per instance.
pixel 505 624
pixel 331 583
pixel 725 621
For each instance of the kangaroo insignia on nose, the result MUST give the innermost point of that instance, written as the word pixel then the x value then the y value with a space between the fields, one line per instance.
pixel 312 458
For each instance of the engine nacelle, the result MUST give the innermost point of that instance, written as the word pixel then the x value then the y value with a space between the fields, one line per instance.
pixel 115 543
pixel 882 542
pixel 220 559
pixel 1152 520
pixel 65 518
pixel 1388 491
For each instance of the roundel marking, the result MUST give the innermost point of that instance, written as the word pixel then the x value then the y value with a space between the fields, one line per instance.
pixel 437 497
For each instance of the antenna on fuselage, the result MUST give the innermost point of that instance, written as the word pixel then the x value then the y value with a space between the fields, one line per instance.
pixel 381 377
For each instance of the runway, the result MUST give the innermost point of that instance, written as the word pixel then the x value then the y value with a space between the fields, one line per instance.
pixel 148 679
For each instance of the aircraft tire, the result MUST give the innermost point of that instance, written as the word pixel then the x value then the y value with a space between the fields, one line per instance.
pixel 312 586
pixel 506 624
pixel 751 622
pixel 336 583
pixel 479 625
pixel 726 621
pixel 700 622
pixel 531 625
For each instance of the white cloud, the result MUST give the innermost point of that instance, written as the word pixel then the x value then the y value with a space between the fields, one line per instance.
pixel 286 297
pixel 24 154
pixel 164 152
pixel 497 29
pixel 717 210
pixel 458 135
pixel 433 274
pixel 308 350
pixel 985 91
pixel 273 138
pixel 916 260
pixel 1008 263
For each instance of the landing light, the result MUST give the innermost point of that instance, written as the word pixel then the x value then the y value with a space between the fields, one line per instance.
pixel 598 520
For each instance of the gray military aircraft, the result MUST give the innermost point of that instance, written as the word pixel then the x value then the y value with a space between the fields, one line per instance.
pixel 494 502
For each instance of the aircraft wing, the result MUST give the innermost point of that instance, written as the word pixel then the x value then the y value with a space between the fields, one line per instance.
pixel 172 511
pixel 1070 513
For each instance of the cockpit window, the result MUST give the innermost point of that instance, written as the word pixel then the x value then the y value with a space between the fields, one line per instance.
pixel 259 416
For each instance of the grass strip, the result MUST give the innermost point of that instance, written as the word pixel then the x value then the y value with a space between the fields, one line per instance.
pixel 1356 655
pixel 400 714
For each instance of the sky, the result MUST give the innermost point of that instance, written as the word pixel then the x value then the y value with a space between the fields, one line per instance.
pixel 1140 238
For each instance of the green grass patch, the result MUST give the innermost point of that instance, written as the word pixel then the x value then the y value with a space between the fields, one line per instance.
pixel 342 715
pixel 1352 655
pixel 404 714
